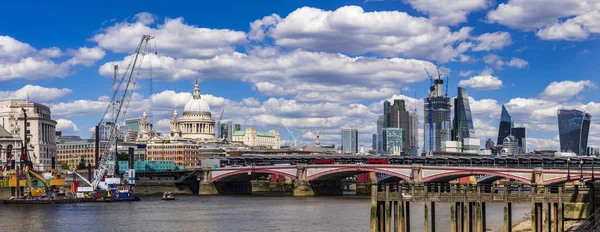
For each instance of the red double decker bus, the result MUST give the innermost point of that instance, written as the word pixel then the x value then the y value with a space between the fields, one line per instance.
pixel 377 161
pixel 324 161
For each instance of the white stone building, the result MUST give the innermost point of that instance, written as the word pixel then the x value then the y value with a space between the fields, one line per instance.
pixel 196 122
pixel 40 126
pixel 10 147
pixel 254 138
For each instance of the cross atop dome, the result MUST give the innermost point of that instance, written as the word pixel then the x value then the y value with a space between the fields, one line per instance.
pixel 196 90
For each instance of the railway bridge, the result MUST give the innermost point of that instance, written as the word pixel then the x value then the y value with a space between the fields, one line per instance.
pixel 325 179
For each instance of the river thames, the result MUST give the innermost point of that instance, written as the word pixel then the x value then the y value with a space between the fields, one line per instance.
pixel 222 214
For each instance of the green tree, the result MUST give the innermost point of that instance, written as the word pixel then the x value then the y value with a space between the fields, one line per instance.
pixel 81 164
pixel 64 165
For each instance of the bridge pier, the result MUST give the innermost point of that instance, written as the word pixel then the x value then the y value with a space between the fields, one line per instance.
pixel 302 187
pixel 206 186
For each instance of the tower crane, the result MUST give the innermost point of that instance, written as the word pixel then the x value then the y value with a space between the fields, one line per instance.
pixel 120 99
pixel 296 140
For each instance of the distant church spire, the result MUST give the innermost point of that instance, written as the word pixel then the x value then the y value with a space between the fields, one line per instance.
pixel 196 90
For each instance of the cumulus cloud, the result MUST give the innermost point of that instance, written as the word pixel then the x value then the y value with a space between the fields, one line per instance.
pixel 174 37
pixel 517 63
pixel 465 73
pixel 448 12
pixel 492 41
pixel 307 75
pixel 560 19
pixel 86 56
pixel 66 126
pixel 487 82
pixel 352 31
pixel 20 60
pixel 36 93
pixel 496 61
pixel 11 48
pixel 565 90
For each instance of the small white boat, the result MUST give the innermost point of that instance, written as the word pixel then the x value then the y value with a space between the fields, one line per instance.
pixel 168 196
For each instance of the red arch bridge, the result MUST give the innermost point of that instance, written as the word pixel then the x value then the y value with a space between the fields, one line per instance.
pixel 317 178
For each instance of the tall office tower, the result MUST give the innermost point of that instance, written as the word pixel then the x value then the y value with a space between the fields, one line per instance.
pixel 392 141
pixel 437 125
pixel 462 125
pixel 350 141
pixel 226 130
pixel 237 127
pixel 374 143
pixel 386 114
pixel 506 123
pixel 520 134
pixel 379 138
pixel 401 118
pixel 573 130
pixel 413 139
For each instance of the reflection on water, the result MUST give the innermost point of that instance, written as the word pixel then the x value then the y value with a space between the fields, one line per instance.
pixel 222 214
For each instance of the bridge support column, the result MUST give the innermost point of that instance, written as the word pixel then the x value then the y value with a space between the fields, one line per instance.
pixel 207 187
pixel 432 216
pixel 478 222
pixel 388 210
pixel 407 215
pixel 400 215
pixel 453 217
pixel 416 174
pixel 465 216
pixel 374 209
pixel 546 215
pixel 507 211
pixel 483 217
pixel 302 187
pixel 426 216
pixel 560 213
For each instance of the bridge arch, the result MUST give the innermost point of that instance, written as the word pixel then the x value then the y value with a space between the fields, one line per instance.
pixel 562 180
pixel 256 171
pixel 349 171
pixel 448 176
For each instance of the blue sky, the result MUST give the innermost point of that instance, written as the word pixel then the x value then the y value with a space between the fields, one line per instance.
pixel 318 65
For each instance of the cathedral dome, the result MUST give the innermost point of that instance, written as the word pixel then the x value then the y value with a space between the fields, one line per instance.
pixel 196 105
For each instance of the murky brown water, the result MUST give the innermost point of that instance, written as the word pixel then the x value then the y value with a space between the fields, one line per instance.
pixel 221 214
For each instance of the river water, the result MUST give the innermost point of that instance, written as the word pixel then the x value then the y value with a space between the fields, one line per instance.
pixel 222 214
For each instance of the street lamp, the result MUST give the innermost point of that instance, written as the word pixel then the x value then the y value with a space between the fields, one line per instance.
pixel 581 172
pixel 568 169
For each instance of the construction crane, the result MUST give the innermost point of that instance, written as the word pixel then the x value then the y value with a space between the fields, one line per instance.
pixel 120 100
pixel 296 140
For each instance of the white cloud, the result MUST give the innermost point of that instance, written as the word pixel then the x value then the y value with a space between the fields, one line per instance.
pixel 517 63
pixel 66 126
pixel 19 60
pixel 560 19
pixel 448 12
pixel 351 30
pixel 11 48
pixel 36 93
pixel 86 56
pixel 487 82
pixel 307 75
pixel 173 37
pixel 465 73
pixel 492 41
pixel 52 52
pixel 565 90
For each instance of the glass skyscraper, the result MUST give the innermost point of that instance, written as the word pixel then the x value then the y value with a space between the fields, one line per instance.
pixel 386 114
pixel 392 141
pixel 380 126
pixel 573 130
pixel 437 124
pixel 462 125
pixel 350 141
pixel 520 134
pixel 506 124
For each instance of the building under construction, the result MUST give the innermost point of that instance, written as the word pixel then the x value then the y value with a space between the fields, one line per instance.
pixel 437 117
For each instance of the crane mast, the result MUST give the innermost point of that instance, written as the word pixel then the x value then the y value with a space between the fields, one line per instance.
pixel 119 103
